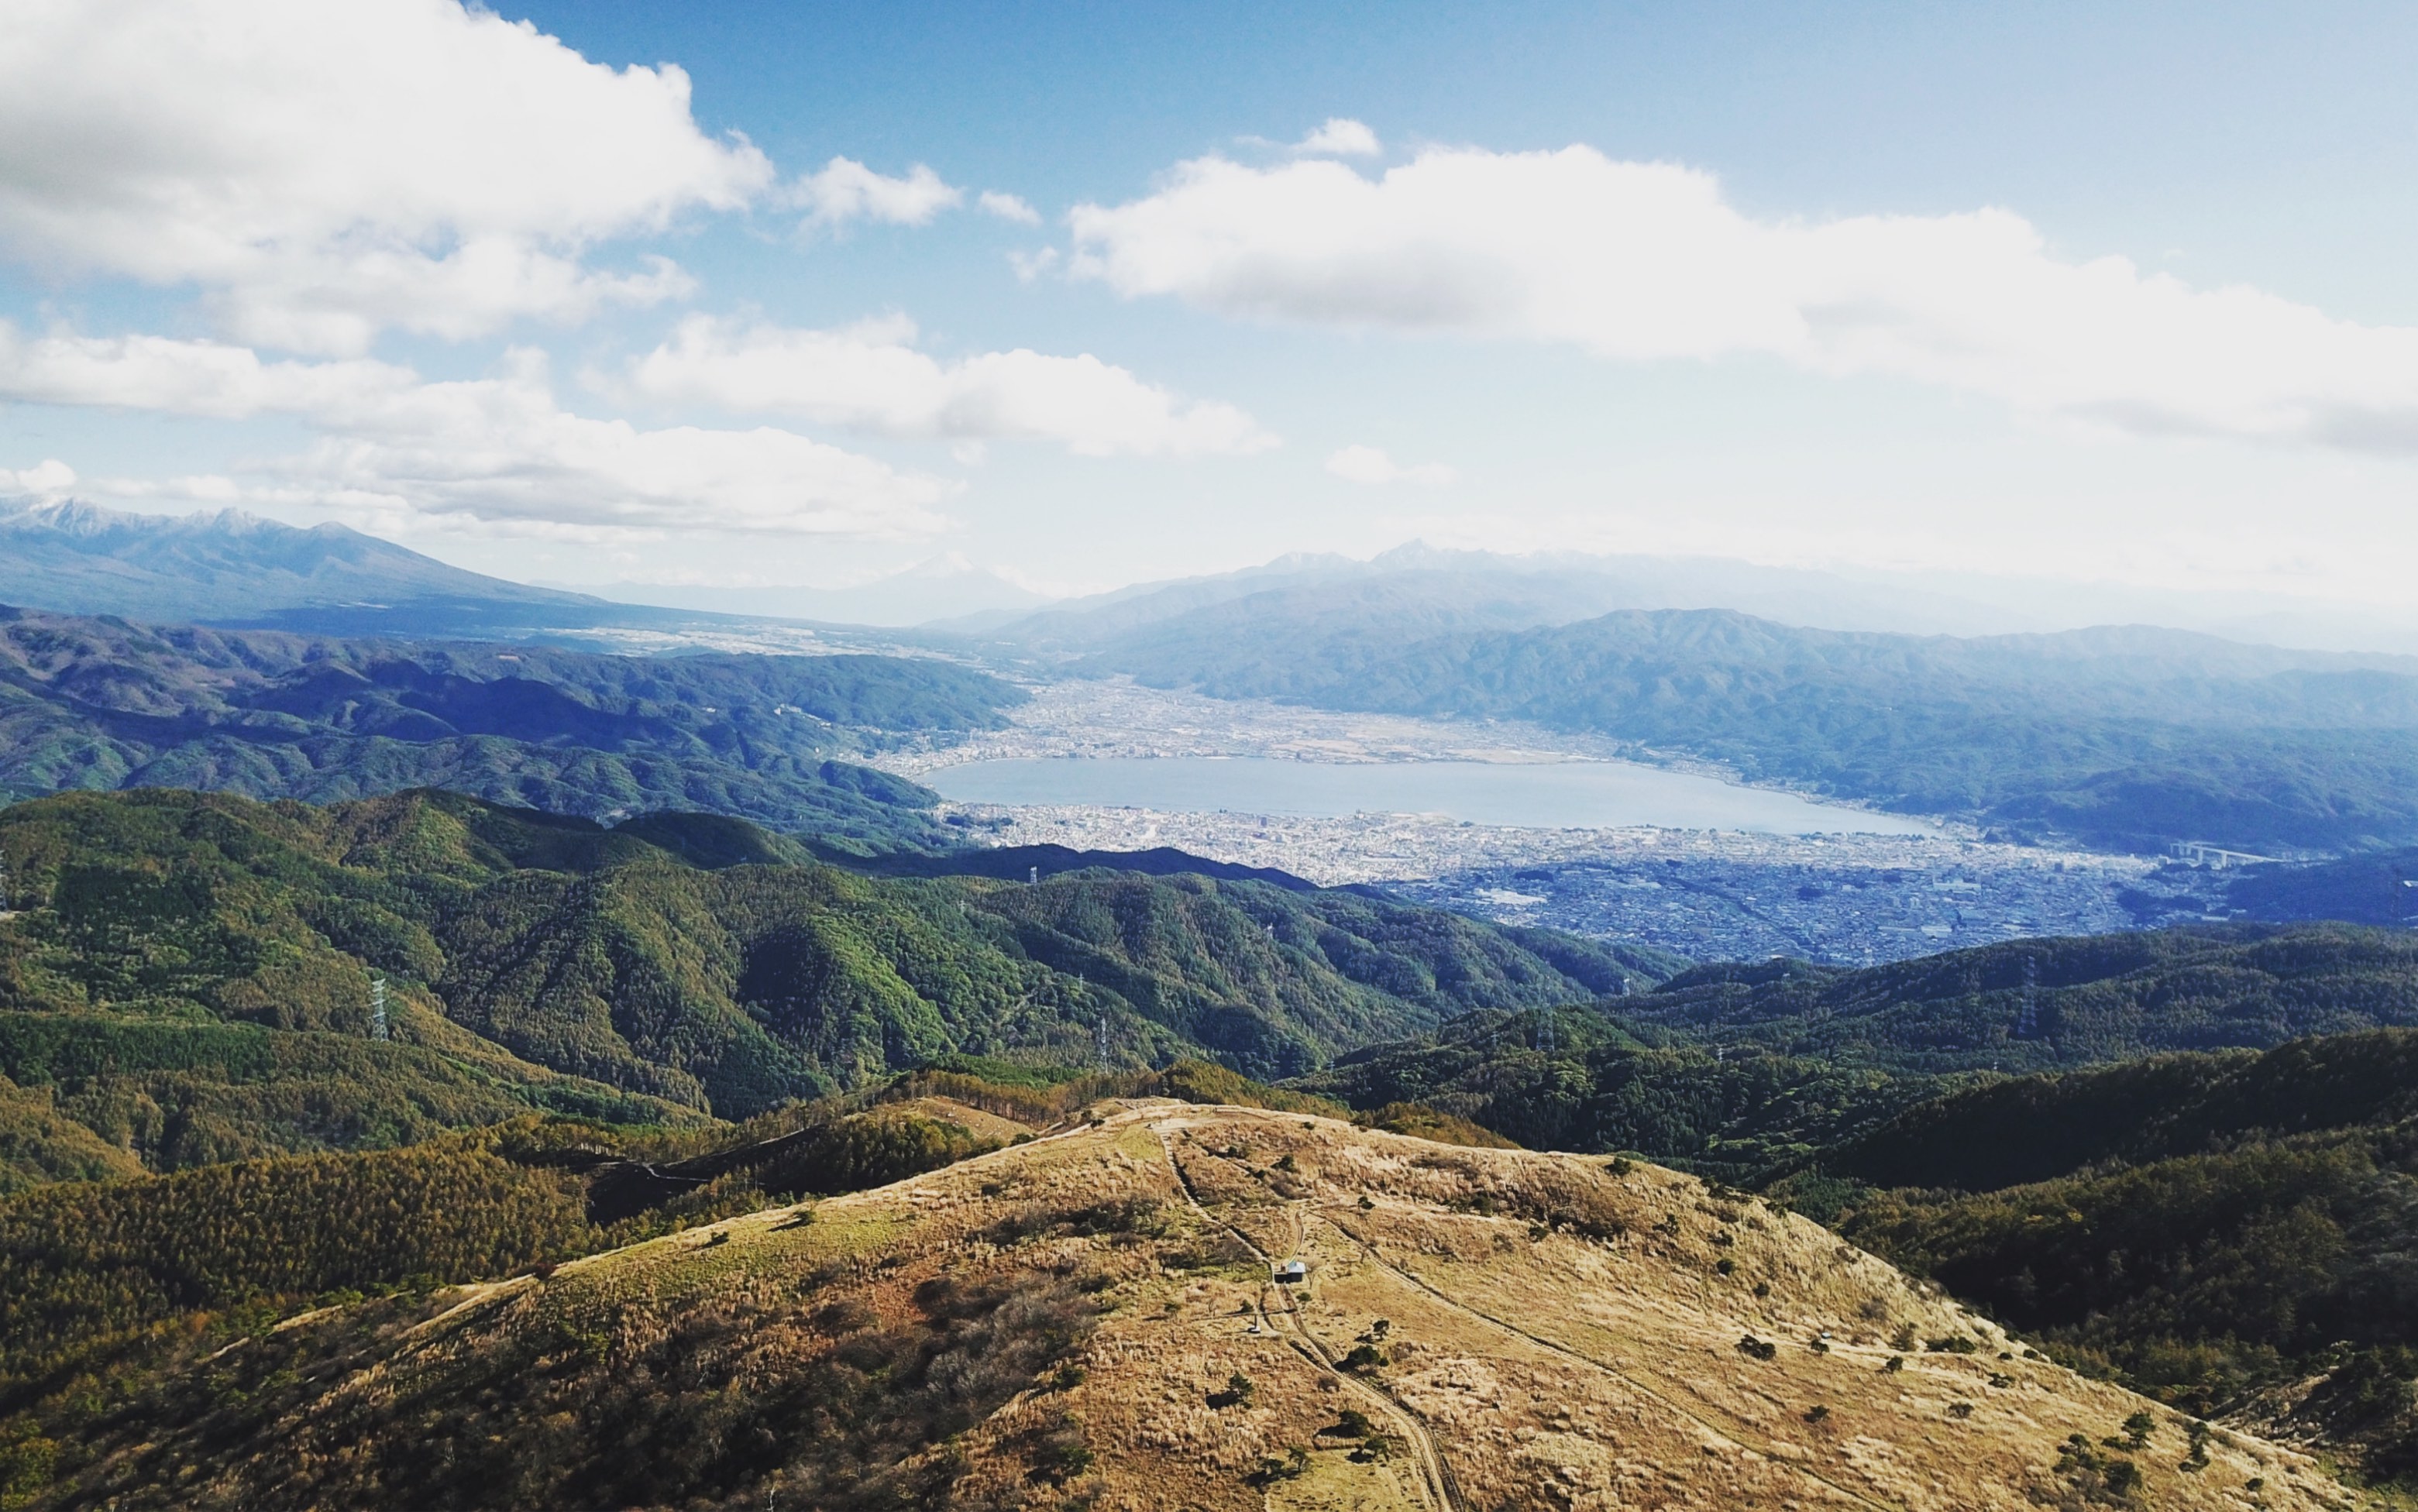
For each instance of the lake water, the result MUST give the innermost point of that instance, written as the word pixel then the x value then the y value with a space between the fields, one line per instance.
pixel 1552 796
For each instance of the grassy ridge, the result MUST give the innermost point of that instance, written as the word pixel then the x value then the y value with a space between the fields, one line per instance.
pixel 1066 1322
pixel 2219 1228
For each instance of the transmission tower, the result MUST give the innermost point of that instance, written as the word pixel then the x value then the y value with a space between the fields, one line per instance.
pixel 377 1008
pixel 2028 1016
pixel 1100 1038
pixel 4 884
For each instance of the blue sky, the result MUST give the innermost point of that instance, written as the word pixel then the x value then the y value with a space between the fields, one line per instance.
pixel 1822 355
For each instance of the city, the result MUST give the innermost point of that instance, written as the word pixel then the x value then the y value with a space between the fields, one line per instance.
pixel 1712 894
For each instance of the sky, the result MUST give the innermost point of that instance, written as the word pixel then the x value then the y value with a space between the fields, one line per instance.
pixel 745 295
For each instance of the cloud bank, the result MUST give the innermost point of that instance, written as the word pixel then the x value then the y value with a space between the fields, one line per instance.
pixel 500 449
pixel 1642 262
pixel 321 171
pixel 869 379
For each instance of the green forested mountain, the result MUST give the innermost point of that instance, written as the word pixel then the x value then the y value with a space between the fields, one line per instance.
pixel 2092 997
pixel 2228 1231
pixel 1747 1070
pixel 96 704
pixel 2378 887
pixel 1575 1078
pixel 192 976
pixel 2120 737
pixel 2031 1128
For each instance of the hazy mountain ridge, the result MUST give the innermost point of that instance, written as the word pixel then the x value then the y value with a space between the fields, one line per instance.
pixel 944 589
pixel 2130 738
pixel 1552 587
pixel 97 703
pixel 78 559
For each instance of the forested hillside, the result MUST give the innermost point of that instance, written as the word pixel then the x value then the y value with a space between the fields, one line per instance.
pixel 1747 1071
pixel 2122 738
pixel 2231 1233
pixel 97 704
pixel 191 976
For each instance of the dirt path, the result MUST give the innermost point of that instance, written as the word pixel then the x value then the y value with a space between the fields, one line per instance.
pixel 1680 1408
pixel 1436 1483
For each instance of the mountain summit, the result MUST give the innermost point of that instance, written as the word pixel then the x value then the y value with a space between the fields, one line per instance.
pixel 79 558
pixel 1169 1305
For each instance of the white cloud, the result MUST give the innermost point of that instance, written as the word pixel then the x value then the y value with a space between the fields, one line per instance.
pixel 1340 137
pixel 45 477
pixel 501 450
pixel 869 377
pixel 1009 207
pixel 324 171
pixel 1031 266
pixel 847 191
pixel 184 377
pixel 1367 464
pixel 1646 261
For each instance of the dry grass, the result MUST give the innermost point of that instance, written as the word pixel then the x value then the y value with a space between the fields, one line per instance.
pixel 1564 1334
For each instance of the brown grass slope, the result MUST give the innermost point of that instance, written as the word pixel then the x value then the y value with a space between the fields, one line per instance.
pixel 1087 1320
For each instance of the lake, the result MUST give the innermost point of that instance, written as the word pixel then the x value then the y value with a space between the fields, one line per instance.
pixel 1546 795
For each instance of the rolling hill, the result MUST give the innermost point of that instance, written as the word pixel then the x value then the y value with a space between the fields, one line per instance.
pixel 1750 1071
pixel 1090 1316
pixel 2228 1229
pixel 2230 1232
pixel 209 961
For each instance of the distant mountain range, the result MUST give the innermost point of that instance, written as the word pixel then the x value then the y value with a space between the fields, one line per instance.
pixel 947 590
pixel 99 703
pixel 2124 737
pixel 1479 589
pixel 238 570
pixel 79 558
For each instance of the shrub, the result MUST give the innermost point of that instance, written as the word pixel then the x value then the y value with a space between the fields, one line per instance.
pixel 1238 1393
